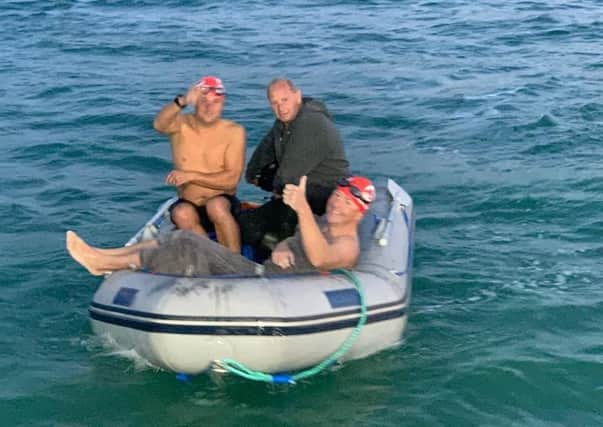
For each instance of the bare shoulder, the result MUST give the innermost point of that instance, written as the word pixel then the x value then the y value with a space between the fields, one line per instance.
pixel 233 130
pixel 232 126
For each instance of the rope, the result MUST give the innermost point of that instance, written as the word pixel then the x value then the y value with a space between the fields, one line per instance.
pixel 238 368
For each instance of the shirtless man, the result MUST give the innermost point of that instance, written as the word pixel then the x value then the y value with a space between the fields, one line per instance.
pixel 317 246
pixel 209 156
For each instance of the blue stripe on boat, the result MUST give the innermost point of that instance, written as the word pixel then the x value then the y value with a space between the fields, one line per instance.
pixel 147 326
pixel 234 319
pixel 125 296
pixel 343 298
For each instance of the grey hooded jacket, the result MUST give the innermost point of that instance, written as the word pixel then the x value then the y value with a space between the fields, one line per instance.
pixel 309 145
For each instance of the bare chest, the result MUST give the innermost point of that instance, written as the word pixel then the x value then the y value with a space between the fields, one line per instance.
pixel 199 149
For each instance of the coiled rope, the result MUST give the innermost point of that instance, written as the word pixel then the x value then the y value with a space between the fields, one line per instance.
pixel 241 370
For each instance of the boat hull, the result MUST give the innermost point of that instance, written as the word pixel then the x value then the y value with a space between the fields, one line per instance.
pixel 276 324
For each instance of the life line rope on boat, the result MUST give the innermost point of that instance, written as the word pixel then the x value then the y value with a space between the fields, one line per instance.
pixel 237 368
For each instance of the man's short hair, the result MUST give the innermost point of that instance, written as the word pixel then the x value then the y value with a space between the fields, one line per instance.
pixel 279 80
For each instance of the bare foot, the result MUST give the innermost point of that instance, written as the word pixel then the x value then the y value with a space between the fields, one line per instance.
pixel 82 253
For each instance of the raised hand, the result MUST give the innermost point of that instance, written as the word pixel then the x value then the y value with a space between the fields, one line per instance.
pixel 192 95
pixel 295 195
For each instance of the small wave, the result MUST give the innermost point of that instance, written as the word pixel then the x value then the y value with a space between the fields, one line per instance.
pixel 140 163
pixel 21 216
pixel 367 37
pixel 494 94
pixel 54 92
pixel 592 112
pixel 543 19
pixel 555 33
pixel 86 120
pixel 594 185
pixel 106 346
pixel 506 107
pixel 544 148
pixel 139 362
pixel 545 121
pixel 40 151
pixel 64 196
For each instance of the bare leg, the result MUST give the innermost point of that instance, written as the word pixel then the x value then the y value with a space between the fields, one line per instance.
pixel 185 217
pixel 229 235
pixel 96 262
pixel 124 250
pixel 227 229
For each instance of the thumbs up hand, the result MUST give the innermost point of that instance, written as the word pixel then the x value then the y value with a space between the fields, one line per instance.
pixel 295 195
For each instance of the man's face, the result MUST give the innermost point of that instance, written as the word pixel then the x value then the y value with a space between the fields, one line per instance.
pixel 340 209
pixel 285 103
pixel 209 107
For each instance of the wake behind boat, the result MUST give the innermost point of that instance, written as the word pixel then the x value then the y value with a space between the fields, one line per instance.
pixel 277 324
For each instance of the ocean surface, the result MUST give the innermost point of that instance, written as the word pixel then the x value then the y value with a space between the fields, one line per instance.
pixel 489 113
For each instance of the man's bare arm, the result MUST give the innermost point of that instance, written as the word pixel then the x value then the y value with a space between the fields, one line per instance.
pixel 169 119
pixel 323 255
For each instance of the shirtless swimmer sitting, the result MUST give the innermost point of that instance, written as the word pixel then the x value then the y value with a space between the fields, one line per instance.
pixel 208 153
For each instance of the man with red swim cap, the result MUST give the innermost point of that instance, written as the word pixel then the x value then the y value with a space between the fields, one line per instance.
pixel 331 242
pixel 335 243
pixel 209 156
pixel 359 190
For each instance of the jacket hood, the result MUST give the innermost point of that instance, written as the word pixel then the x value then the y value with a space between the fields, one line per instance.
pixel 315 106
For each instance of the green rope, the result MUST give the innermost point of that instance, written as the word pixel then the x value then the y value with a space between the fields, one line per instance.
pixel 237 368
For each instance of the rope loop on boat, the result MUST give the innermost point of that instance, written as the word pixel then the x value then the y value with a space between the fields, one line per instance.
pixel 237 368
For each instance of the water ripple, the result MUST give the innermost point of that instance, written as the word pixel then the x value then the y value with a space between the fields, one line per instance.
pixel 489 113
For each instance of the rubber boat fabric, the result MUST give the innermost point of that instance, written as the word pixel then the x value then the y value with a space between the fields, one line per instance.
pixel 286 323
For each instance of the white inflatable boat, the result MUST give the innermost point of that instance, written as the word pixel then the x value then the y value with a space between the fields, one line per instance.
pixel 280 324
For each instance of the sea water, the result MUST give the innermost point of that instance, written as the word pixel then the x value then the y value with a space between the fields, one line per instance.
pixel 489 113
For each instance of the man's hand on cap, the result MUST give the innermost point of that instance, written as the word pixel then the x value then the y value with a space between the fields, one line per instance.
pixel 192 95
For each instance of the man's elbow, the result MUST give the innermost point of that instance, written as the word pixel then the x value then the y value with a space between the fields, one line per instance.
pixel 320 263
pixel 231 181
pixel 158 126
pixel 324 264
pixel 319 266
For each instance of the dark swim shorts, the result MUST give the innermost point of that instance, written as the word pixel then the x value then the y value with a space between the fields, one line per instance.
pixel 235 209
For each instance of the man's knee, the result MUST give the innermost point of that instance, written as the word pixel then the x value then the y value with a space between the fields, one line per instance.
pixel 219 210
pixel 184 214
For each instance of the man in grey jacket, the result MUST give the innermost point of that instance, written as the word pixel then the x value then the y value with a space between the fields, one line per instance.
pixel 302 141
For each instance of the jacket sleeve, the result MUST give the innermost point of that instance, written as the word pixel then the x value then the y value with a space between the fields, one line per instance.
pixel 311 145
pixel 263 155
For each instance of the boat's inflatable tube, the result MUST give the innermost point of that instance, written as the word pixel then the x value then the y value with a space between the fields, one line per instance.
pixel 279 324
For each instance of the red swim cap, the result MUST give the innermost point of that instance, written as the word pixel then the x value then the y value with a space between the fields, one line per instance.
pixel 359 190
pixel 213 83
